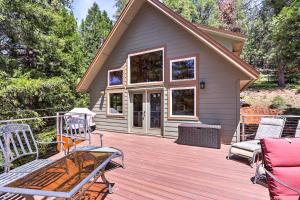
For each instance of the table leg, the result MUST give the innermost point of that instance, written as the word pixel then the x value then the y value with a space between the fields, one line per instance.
pixel 108 184
pixel 28 197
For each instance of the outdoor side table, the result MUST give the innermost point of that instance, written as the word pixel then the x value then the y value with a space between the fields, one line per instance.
pixel 197 134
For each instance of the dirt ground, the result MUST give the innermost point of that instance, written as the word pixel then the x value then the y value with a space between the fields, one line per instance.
pixel 263 98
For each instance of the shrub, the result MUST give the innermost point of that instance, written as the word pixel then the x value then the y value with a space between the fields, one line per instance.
pixel 278 102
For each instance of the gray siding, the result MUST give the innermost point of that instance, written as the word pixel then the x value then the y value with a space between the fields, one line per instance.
pixel 219 102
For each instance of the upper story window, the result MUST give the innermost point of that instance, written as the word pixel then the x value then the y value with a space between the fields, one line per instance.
pixel 183 69
pixel 146 67
pixel 115 77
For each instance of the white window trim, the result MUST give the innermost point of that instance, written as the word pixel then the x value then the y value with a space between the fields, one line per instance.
pixel 108 77
pixel 108 103
pixel 183 59
pixel 195 102
pixel 144 52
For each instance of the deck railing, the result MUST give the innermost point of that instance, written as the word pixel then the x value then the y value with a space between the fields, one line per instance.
pixel 249 124
pixel 58 121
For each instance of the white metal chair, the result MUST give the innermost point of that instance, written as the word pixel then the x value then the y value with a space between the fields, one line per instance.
pixel 269 127
pixel 78 129
pixel 17 141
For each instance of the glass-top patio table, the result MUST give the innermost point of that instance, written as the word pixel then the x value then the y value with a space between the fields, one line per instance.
pixel 65 178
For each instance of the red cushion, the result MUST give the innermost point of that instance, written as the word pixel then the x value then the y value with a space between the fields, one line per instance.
pixel 282 159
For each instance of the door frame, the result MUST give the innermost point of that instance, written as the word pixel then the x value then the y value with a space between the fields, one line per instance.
pixel 145 130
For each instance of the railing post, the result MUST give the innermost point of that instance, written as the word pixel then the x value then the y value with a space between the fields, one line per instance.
pixel 59 130
pixel 238 131
pixel 243 128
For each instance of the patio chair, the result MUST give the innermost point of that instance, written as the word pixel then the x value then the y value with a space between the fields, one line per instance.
pixel 16 142
pixel 282 171
pixel 78 129
pixel 268 128
pixel 260 174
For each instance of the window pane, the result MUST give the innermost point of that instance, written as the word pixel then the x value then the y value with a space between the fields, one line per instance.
pixel 146 67
pixel 116 103
pixel 137 110
pixel 116 78
pixel 184 69
pixel 155 110
pixel 183 102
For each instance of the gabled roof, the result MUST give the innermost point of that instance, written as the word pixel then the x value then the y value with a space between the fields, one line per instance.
pixel 123 22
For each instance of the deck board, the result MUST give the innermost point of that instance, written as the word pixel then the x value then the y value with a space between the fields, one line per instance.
pixel 158 168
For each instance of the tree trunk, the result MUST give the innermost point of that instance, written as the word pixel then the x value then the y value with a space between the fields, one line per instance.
pixel 281 78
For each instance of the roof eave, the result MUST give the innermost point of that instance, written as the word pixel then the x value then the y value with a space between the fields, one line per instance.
pixel 226 34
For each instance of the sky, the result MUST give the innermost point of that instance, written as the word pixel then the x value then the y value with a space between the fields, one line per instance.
pixel 80 7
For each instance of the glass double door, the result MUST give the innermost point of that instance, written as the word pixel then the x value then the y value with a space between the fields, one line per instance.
pixel 146 112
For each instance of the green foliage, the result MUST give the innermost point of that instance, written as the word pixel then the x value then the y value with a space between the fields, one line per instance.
pixel 278 102
pixel 272 39
pixel 185 8
pixel 41 39
pixel 47 135
pixel 94 29
pixel 120 4
pixel 285 31
pixel 207 12
pixel 24 93
pixel 41 59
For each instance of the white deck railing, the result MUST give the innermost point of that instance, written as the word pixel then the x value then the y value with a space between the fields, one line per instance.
pixel 59 122
pixel 249 124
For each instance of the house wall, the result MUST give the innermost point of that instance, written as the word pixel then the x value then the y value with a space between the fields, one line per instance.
pixel 218 102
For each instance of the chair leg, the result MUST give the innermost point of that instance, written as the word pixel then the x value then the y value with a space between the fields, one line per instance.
pixel 28 197
pixel 68 151
pixel 123 165
pixel 229 154
pixel 101 142
pixel 257 175
pixel 75 146
pixel 108 184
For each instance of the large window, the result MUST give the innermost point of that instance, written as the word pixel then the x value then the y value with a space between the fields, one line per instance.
pixel 115 103
pixel 183 69
pixel 183 102
pixel 115 77
pixel 146 67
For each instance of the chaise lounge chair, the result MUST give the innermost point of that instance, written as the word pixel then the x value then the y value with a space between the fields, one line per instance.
pixel 282 171
pixel 268 128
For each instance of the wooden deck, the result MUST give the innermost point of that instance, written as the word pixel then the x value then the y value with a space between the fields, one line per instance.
pixel 158 168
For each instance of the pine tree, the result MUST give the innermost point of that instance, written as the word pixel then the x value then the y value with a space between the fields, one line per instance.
pixel 285 51
pixel 207 12
pixel 120 4
pixel 185 8
pixel 94 29
pixel 40 57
